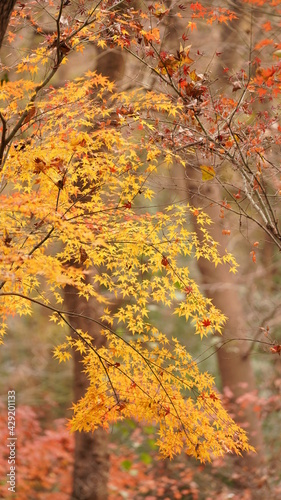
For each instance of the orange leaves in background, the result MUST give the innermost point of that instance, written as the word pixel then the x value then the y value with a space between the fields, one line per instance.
pixel 37 452
pixel 221 14
pixel 267 26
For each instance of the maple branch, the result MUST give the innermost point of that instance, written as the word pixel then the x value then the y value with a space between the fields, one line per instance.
pixel 263 209
pixel 238 104
pixel 242 212
pixel 46 237
pixel 90 21
pixel 51 73
pixel 102 358
pixel 32 100
pixel 265 320
pixel 38 245
pixel 223 344
pixel 48 77
pixel 187 146
pixel 89 345
pixel 62 315
pixel 165 66
pixel 148 66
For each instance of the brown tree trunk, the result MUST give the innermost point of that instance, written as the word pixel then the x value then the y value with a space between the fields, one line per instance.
pixel 91 463
pixel 6 7
pixel 234 363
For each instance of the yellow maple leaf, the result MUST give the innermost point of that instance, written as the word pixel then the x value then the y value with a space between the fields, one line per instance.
pixel 208 173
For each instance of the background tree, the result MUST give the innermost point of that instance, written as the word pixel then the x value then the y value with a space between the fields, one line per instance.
pixel 6 8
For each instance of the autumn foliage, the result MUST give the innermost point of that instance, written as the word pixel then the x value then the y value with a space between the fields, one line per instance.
pixel 38 452
pixel 77 201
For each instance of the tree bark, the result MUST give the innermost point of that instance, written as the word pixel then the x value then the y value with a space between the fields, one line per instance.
pixel 91 460
pixel 6 7
pixel 234 363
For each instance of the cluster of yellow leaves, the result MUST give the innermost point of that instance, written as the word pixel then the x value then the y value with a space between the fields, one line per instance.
pixel 155 381
pixel 79 186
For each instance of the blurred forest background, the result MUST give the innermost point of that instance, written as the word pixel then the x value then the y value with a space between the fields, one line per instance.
pixel 43 387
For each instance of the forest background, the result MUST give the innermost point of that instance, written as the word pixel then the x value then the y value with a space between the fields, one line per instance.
pixel 218 63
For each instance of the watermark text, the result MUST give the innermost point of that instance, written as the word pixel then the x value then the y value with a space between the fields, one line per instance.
pixel 12 439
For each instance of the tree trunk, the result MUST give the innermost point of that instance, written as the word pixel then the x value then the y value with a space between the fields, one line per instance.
pixel 234 363
pixel 91 462
pixel 6 7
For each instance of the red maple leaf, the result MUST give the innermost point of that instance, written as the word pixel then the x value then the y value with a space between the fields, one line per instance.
pixel 206 322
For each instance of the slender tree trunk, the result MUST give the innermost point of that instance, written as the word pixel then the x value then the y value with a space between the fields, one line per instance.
pixel 6 7
pixel 91 461
pixel 234 363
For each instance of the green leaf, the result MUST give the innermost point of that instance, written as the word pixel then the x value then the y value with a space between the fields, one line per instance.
pixel 126 464
pixel 145 458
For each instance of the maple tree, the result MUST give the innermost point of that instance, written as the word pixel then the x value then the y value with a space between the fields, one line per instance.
pixel 76 165
pixel 75 184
